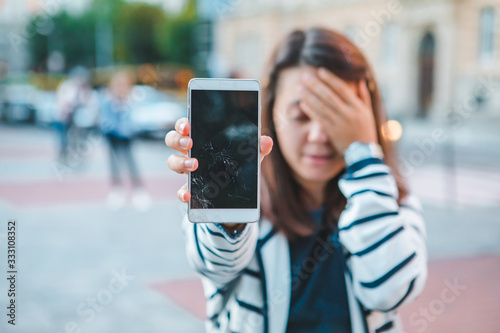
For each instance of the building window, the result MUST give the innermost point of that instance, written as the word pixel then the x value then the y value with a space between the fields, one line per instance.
pixel 391 41
pixel 487 37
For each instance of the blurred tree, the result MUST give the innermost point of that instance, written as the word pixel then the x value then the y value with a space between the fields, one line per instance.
pixel 38 50
pixel 72 36
pixel 175 36
pixel 135 31
pixel 141 33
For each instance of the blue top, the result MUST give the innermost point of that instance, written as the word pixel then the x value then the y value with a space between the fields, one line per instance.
pixel 319 295
pixel 116 117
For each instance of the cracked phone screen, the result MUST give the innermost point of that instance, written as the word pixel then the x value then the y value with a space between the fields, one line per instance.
pixel 224 129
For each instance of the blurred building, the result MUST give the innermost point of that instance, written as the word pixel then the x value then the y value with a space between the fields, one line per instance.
pixel 13 40
pixel 429 55
pixel 15 32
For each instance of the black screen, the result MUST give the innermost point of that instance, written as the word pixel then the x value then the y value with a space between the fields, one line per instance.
pixel 224 129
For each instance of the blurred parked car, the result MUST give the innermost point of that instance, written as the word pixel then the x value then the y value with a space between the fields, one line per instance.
pixel 154 112
pixel 87 116
pixel 3 100
pixel 17 106
pixel 44 104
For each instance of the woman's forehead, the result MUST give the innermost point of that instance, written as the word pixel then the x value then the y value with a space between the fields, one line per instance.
pixel 290 79
pixel 289 82
pixel 293 75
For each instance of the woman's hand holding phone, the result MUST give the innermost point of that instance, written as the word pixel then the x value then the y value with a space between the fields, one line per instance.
pixel 180 140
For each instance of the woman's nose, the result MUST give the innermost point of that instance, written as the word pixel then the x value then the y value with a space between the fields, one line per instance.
pixel 316 133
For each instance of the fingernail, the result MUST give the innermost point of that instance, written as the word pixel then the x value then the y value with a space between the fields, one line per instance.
pixel 181 127
pixel 308 77
pixel 183 196
pixel 184 142
pixel 189 163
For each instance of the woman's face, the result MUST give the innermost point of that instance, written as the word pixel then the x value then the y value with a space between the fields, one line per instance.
pixel 301 139
pixel 120 85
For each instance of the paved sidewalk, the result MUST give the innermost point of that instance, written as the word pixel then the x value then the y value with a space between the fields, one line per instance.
pixel 82 265
pixel 475 131
pixel 460 296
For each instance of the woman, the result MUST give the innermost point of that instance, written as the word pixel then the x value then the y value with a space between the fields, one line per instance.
pixel 116 125
pixel 341 243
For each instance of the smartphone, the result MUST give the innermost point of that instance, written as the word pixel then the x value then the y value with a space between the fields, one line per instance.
pixel 224 118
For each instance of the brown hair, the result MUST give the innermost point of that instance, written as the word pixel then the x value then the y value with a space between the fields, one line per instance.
pixel 283 199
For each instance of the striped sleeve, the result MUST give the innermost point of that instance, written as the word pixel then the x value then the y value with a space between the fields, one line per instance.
pixel 215 254
pixel 388 262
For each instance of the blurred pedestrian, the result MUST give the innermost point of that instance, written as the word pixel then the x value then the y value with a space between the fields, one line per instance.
pixel 116 125
pixel 340 245
pixel 73 94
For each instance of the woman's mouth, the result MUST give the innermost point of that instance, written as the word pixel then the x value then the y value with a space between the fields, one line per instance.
pixel 319 159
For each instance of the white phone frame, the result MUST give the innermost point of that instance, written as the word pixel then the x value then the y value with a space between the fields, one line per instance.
pixel 233 215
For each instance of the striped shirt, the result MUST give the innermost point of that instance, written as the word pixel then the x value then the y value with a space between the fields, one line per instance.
pixel 247 280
